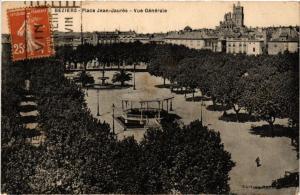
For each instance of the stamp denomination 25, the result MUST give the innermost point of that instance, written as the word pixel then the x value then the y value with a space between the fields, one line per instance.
pixel 30 31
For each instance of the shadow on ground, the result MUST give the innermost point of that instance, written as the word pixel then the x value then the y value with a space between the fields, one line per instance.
pixel 183 91
pixel 166 86
pixel 242 118
pixel 290 179
pixel 197 99
pixel 278 131
pixel 170 117
pixel 108 86
pixel 217 107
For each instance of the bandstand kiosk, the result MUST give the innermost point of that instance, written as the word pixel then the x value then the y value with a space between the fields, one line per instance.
pixel 144 109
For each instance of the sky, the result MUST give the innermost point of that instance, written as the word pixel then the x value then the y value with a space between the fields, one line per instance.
pixel 201 14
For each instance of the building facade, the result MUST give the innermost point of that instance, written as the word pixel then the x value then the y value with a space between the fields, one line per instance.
pixel 193 40
pixel 221 45
pixel 126 36
pixel 111 37
pixel 236 45
pixel 244 45
pixel 67 39
pixel 255 47
pixel 192 43
pixel 94 38
pixel 106 37
pixel 279 47
pixel 283 40
pixel 143 38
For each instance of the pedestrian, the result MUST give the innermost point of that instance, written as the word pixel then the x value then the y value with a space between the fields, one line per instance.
pixel 257 160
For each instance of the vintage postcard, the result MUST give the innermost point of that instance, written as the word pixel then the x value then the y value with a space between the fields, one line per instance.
pixel 153 97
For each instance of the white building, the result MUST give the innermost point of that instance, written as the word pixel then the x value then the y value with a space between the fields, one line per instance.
pixel 126 36
pixel 255 47
pixel 283 44
pixel 192 40
pixel 244 45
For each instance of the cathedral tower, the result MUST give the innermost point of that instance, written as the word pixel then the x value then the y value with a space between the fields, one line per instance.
pixel 238 15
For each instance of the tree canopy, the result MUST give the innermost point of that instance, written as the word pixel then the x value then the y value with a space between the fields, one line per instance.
pixel 81 155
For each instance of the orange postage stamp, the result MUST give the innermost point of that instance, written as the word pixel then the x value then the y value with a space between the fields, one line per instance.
pixel 30 31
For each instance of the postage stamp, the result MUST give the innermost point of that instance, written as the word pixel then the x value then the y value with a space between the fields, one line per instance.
pixel 30 31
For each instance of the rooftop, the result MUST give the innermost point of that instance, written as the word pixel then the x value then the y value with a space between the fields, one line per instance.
pixel 189 35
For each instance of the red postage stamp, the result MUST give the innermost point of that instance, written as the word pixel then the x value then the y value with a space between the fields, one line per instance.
pixel 30 31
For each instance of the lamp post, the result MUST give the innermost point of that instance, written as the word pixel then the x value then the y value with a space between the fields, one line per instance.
pixel 201 119
pixel 98 114
pixel 171 105
pixel 113 118
pixel 134 76
pixel 103 72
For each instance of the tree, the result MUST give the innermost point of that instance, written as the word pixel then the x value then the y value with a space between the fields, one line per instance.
pixel 85 78
pixel 121 77
pixel 165 61
pixel 18 164
pixel 76 142
pixel 187 76
pixel 190 159
pixel 155 68
pixel 19 159
pixel 269 100
pixel 85 53
pixel 127 161
pixel 66 54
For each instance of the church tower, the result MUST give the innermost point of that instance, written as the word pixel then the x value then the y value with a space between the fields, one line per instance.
pixel 238 15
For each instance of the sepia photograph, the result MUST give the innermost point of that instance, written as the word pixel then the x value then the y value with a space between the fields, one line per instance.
pixel 150 97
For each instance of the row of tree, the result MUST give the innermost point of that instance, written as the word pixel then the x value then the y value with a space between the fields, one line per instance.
pixel 81 155
pixel 265 86
pixel 110 54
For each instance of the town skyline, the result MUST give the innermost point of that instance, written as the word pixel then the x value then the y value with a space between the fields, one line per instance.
pixel 201 15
